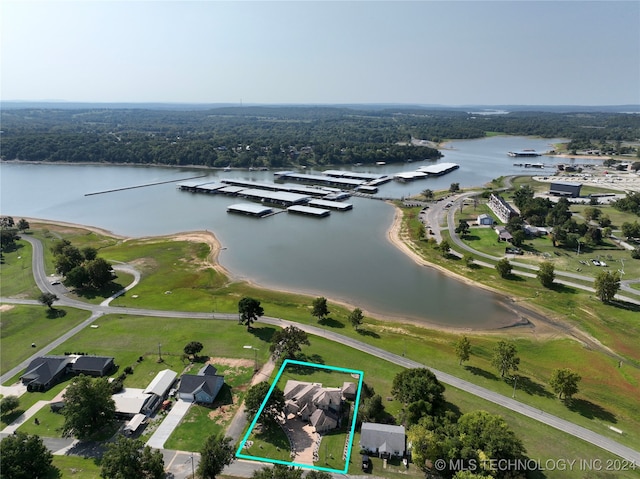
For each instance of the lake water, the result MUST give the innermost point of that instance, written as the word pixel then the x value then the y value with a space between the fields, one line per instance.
pixel 346 257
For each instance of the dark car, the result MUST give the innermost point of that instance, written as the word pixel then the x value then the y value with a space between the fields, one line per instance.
pixel 366 463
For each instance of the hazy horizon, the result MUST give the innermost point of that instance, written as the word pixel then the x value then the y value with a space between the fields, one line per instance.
pixel 423 53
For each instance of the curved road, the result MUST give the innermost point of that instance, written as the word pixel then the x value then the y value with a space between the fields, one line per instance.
pixel 509 403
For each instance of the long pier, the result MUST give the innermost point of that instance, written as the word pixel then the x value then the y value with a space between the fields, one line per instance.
pixel 142 186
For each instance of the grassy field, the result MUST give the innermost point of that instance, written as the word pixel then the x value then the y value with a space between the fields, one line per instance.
pixel 16 278
pixel 76 467
pixel 23 325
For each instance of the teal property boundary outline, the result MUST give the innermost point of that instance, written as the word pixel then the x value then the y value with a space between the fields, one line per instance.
pixel 239 453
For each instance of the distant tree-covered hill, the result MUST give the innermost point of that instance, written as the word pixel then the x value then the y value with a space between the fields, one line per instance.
pixel 276 136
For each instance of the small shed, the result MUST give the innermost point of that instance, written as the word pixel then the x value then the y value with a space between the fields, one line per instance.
pixel 485 219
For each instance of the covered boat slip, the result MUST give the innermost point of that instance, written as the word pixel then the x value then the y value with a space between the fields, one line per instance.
pixel 309 211
pixel 300 189
pixel 332 205
pixel 318 179
pixel 250 209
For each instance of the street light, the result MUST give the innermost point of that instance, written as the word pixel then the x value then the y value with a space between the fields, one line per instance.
pixel 515 382
pixel 255 360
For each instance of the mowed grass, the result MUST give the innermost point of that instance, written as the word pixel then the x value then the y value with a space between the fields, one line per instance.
pixel 76 467
pixel 23 325
pixel 16 278
pixel 129 337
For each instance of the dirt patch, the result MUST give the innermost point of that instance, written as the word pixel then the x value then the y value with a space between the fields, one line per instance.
pixel 232 362
pixel 6 307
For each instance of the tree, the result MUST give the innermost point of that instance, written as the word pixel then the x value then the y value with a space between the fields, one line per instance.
pixel 77 277
pixel 490 437
pixel 444 247
pixel 593 236
pixel 89 253
pixel 546 274
pixel 250 310
pixel 505 358
pixel 88 406
pixel 23 225
pixel 564 382
pixel 428 194
pixel 454 187
pixel 468 259
pixel 278 471
pixel 47 299
pixel 463 349
pixel 100 272
pixel 591 213
pixel 6 222
pixel 421 386
pixel 523 196
pixel 356 317
pixel 273 408
pixel 216 453
pixel 319 308
pixel 503 267
pixel 8 404
pixel 286 343
pixel 462 228
pixel 631 230
pixel 607 285
pixel 25 457
pixel 193 348
pixel 372 409
pixel 130 458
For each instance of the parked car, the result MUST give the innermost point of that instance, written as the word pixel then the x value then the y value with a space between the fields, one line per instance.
pixel 366 463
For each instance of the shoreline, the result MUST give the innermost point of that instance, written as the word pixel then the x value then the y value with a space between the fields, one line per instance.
pixel 393 236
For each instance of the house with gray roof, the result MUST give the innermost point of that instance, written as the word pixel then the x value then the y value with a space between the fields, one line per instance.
pixel 383 440
pixel 45 372
pixel 202 387
pixel 311 402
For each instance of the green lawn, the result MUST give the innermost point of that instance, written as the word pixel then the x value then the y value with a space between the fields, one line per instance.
pixel 22 325
pixel 16 279
pixel 76 467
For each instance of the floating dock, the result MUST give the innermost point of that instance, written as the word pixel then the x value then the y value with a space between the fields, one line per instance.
pixel 346 183
pixel 304 190
pixel 283 198
pixel 332 205
pixel 309 210
pixel 439 169
pixel 250 209
pixel 426 171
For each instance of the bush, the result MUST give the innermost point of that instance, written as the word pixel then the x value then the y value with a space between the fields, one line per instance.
pixel 128 370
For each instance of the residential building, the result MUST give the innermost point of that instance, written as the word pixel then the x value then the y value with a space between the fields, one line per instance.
pixel 202 387
pixel 503 210
pixel 383 440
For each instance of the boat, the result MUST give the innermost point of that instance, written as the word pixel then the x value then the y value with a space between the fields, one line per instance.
pixel 525 152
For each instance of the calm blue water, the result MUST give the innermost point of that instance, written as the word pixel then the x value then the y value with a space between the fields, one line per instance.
pixel 346 256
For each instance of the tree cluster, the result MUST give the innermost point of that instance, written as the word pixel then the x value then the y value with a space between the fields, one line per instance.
pixel 25 457
pixel 286 343
pixel 278 136
pixel 82 268
pixel 630 203
pixel 421 393
pixel 129 458
pixel 477 437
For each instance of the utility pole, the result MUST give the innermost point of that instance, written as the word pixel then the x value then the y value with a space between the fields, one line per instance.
pixel 159 352
pixel 515 382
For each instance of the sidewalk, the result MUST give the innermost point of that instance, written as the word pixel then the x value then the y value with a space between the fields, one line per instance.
pixel 24 417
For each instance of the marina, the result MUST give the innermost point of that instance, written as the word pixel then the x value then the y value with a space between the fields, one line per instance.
pixel 332 205
pixel 348 183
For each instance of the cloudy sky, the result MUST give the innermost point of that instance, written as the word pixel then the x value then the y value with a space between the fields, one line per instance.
pixel 420 52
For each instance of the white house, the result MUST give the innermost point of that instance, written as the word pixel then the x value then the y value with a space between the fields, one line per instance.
pixel 382 439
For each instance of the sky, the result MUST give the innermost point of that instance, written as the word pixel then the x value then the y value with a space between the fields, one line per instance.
pixel 322 52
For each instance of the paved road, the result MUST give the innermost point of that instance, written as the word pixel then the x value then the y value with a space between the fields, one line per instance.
pixel 509 403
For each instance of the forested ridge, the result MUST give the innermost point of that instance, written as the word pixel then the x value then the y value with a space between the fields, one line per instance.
pixel 286 136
